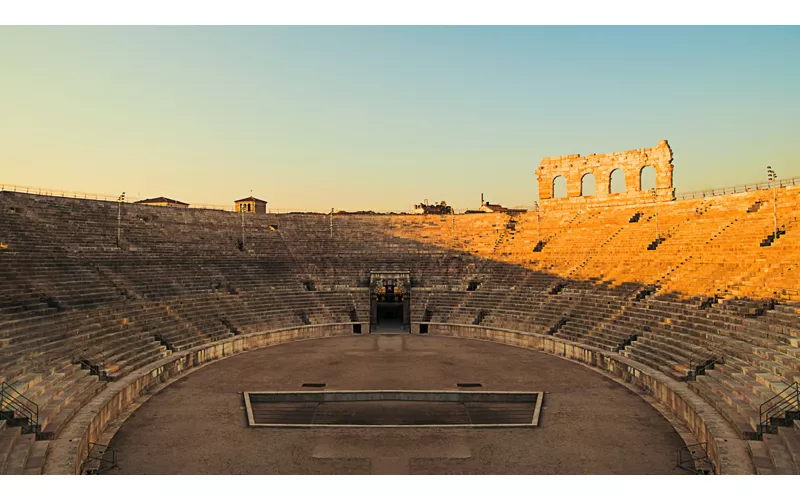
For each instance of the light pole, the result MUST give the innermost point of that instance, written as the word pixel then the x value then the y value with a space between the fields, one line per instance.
pixel 331 223
pixel 655 201
pixel 538 222
pixel 119 218
pixel 772 177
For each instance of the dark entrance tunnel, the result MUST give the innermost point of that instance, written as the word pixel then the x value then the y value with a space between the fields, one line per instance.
pixel 390 316
pixel 390 310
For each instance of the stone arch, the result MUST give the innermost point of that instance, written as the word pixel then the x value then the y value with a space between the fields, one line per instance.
pixel 560 187
pixel 572 167
pixel 616 181
pixel 647 178
pixel 588 184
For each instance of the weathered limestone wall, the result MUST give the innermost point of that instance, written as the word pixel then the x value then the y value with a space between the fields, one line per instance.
pixel 72 446
pixel 726 449
pixel 574 167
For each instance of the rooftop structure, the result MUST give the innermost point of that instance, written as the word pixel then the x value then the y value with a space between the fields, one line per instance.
pixel 251 204
pixel 163 202
pixel 695 302
pixel 425 209
pixel 487 207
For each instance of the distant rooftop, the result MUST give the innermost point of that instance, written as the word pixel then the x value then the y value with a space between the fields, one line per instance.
pixel 250 198
pixel 162 199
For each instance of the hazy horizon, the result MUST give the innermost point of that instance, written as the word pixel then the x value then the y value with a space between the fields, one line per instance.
pixel 381 118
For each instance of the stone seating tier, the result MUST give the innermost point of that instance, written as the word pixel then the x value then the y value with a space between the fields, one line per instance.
pixel 708 302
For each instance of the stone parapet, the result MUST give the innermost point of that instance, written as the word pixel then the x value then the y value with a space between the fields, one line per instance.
pixel 725 448
pixel 72 446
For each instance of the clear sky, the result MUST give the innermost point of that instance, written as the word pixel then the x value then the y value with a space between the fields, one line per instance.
pixel 384 117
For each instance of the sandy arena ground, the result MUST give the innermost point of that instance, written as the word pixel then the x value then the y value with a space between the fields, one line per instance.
pixel 589 424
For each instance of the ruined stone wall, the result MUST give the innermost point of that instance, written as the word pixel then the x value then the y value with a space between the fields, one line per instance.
pixel 574 167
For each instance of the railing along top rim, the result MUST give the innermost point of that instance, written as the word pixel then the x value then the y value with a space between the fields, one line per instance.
pixel 703 193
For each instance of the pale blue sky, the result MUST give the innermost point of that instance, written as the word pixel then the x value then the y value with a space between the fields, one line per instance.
pixel 383 117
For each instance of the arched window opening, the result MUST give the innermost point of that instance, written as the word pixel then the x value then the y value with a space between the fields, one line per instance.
pixel 588 185
pixel 560 187
pixel 647 178
pixel 616 182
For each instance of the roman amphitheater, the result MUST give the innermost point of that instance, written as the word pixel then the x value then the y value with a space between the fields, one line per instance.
pixel 639 332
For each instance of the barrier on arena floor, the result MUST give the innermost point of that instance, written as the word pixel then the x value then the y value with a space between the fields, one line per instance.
pixel 725 448
pixel 72 447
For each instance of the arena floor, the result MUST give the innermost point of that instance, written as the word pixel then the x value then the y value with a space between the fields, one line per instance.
pixel 589 424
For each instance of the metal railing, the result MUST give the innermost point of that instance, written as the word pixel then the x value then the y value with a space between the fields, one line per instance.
pixel 13 401
pixel 63 193
pixel 704 193
pixel 776 408
pixel 694 458
pixel 94 359
pixel 700 362
pixel 100 459
pixel 57 192
pixel 739 188
pixel 687 195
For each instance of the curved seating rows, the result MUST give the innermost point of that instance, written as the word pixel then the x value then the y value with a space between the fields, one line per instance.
pixel 708 306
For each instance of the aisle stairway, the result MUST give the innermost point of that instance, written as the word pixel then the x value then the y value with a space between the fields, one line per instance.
pixel 708 306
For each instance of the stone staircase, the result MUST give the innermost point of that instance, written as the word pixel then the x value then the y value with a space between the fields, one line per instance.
pixel 78 311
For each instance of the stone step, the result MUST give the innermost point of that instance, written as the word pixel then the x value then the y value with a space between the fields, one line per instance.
pixel 70 403
pixel 742 424
pixel 37 457
pixel 761 458
pixel 647 357
pixel 778 453
pixel 7 437
pixel 60 394
pixel 791 440
pixel 15 464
